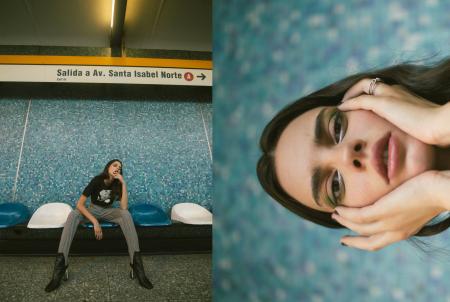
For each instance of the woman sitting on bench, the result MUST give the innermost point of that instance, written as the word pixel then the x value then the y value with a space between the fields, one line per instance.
pixel 104 189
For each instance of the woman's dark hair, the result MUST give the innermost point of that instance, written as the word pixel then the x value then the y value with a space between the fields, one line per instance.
pixel 116 186
pixel 430 82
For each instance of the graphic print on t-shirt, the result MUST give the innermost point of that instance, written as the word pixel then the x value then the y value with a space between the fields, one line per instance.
pixel 104 196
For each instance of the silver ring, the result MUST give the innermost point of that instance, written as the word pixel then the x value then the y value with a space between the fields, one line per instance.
pixel 373 85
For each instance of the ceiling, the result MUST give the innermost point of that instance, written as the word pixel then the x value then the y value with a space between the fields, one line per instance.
pixel 149 24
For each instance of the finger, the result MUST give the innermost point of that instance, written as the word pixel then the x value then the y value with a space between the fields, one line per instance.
pixel 371 243
pixel 359 215
pixel 383 106
pixel 361 229
pixel 401 112
pixel 364 102
pixel 362 87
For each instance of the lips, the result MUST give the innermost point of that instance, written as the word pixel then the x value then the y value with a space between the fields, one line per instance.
pixel 377 157
pixel 393 159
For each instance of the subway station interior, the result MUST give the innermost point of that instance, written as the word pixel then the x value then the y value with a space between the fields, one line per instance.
pixel 86 82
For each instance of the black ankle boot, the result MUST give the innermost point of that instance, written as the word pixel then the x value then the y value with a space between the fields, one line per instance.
pixel 137 269
pixel 59 272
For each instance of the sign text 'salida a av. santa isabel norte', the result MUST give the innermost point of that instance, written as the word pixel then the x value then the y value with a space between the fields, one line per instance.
pixel 74 72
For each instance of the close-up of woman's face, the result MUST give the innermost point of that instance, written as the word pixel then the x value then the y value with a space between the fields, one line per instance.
pixel 325 158
pixel 115 168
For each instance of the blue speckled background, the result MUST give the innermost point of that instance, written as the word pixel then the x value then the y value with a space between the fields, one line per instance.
pixel 267 54
pixel 164 146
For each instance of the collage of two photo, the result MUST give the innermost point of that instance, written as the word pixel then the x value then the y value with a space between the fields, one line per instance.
pixel 212 150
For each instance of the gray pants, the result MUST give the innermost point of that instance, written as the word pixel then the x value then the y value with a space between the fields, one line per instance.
pixel 116 215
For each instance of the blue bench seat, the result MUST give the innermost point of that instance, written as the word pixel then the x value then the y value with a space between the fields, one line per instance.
pixel 12 214
pixel 103 224
pixel 146 215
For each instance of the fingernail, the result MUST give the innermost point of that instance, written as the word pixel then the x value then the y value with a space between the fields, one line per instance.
pixel 333 216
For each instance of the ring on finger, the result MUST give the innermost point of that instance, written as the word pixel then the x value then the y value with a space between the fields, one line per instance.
pixel 373 85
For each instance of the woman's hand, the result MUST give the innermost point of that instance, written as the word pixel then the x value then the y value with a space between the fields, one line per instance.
pixel 397 215
pixel 119 177
pixel 98 230
pixel 413 114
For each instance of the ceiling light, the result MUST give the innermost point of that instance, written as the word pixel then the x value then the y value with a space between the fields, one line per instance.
pixel 112 13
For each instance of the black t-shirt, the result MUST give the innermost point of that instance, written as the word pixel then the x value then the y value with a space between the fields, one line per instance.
pixel 100 192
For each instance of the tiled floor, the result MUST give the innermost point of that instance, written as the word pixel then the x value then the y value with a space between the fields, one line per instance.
pixel 175 278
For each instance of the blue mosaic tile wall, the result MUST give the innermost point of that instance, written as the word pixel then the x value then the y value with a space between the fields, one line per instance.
pixel 267 54
pixel 164 147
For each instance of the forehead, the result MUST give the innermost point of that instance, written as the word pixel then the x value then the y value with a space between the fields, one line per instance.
pixel 295 158
pixel 116 163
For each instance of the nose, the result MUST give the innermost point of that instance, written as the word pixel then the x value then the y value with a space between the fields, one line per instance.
pixel 354 155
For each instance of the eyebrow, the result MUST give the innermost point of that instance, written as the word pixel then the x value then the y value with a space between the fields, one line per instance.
pixel 317 180
pixel 319 131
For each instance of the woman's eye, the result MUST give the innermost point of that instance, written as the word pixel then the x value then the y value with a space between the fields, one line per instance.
pixel 337 187
pixel 338 127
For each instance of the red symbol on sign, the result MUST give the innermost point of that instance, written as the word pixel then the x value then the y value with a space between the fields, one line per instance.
pixel 188 76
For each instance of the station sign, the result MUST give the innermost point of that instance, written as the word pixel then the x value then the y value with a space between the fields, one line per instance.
pixel 105 74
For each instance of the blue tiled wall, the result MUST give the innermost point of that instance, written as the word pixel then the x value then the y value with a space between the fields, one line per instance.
pixel 164 147
pixel 267 54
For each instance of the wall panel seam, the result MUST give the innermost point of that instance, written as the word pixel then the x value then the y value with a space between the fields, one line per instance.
pixel 21 151
pixel 206 133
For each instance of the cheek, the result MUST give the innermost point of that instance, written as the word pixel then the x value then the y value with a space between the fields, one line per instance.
pixel 366 124
pixel 361 191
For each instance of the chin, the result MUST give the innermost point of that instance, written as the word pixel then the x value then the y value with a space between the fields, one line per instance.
pixel 420 158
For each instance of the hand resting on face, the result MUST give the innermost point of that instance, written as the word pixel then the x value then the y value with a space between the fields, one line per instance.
pixel 397 215
pixel 420 118
pixel 405 210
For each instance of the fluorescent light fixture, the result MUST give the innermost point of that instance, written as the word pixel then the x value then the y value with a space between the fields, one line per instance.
pixel 112 13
